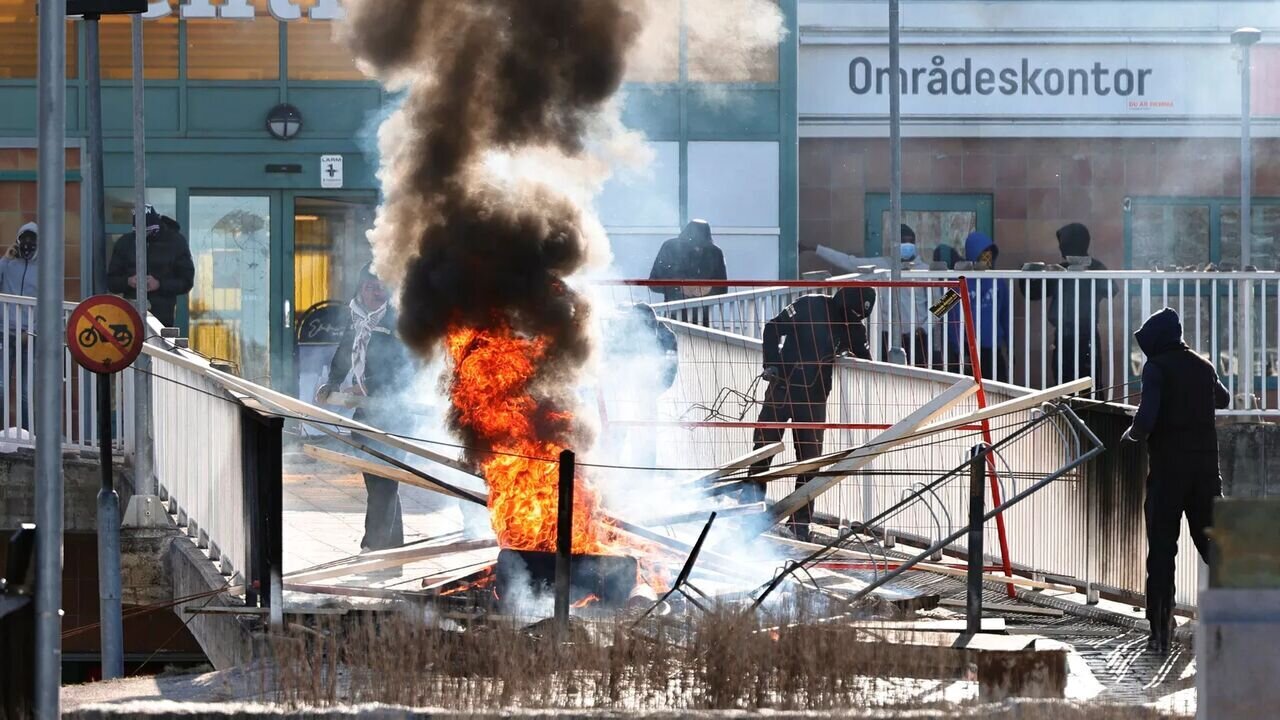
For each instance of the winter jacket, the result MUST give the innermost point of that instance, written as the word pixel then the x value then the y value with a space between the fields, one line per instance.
pixel 913 306
pixel 1180 392
pixel 168 261
pixel 18 276
pixel 1073 241
pixel 802 342
pixel 990 299
pixel 691 256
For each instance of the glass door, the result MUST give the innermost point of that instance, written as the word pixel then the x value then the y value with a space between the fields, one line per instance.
pixel 230 307
pixel 329 248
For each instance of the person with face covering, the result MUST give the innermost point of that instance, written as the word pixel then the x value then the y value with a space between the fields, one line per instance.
pixel 692 256
pixel 800 349
pixel 18 277
pixel 1077 332
pixel 170 270
pixel 990 300
pixel 369 363
pixel 1181 393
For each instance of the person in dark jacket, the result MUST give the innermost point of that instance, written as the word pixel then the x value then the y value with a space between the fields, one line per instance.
pixel 947 256
pixel 369 363
pixel 990 300
pixel 692 256
pixel 1078 334
pixel 1180 394
pixel 800 348
pixel 170 270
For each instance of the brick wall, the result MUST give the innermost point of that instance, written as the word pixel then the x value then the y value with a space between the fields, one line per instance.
pixel 1038 185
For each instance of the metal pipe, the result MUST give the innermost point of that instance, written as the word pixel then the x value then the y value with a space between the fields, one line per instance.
pixel 564 541
pixel 896 354
pixel 51 266
pixel 973 600
pixel 112 624
pixel 144 479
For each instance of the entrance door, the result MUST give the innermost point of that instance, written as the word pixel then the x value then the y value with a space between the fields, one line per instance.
pixel 274 273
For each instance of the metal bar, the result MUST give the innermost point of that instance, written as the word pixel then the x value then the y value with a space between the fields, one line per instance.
pixel 564 541
pixel 1246 157
pixel 51 266
pixel 973 601
pixel 896 354
pixel 144 481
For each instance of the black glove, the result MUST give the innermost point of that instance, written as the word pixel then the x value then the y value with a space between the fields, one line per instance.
pixel 771 374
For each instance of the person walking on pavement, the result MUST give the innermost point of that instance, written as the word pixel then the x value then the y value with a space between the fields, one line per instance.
pixel 170 270
pixel 368 364
pixel 1180 394
pixel 800 349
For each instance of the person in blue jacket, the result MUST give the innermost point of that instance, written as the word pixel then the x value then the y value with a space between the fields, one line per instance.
pixel 990 299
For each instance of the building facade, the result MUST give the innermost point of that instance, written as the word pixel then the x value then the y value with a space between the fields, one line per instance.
pixel 277 226
pixel 1022 116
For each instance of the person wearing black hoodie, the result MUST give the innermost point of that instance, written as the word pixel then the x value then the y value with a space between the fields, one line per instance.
pixel 1181 393
pixel 1078 334
pixel 170 270
pixel 800 348
pixel 692 256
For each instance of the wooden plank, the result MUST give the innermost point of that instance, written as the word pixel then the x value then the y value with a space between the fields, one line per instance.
pixel 989 625
pixel 232 610
pixel 896 435
pixel 702 515
pixel 745 461
pixel 1008 407
pixel 381 560
pixel 374 467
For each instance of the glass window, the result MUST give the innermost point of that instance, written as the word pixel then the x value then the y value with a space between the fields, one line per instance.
pixel 1266 228
pixel 707 38
pixel 119 202
pixel 1170 234
pixel 159 49
pixel 230 305
pixel 655 58
pixel 315 53
pixel 19 34
pixel 234 49
pixel 933 228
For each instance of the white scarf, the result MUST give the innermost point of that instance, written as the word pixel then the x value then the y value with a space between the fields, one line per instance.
pixel 365 323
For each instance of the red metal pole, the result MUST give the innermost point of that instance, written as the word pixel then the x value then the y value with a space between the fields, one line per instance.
pixel 974 358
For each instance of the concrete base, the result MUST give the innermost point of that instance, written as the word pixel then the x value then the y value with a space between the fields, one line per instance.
pixel 146 511
pixel 1238 654
pixel 228 641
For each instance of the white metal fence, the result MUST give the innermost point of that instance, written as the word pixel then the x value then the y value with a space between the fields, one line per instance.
pixel 1062 530
pixel 1051 327
pixel 80 387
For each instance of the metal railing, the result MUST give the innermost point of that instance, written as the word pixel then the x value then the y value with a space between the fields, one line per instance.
pixel 79 406
pixel 1062 530
pixel 1052 327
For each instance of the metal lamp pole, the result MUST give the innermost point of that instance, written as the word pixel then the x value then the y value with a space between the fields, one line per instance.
pixel 897 354
pixel 1246 38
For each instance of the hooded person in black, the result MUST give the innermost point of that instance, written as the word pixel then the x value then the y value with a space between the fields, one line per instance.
pixel 692 256
pixel 1181 393
pixel 1078 331
pixel 800 348
pixel 370 362
pixel 170 270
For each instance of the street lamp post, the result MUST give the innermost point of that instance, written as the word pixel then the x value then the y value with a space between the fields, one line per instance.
pixel 1245 39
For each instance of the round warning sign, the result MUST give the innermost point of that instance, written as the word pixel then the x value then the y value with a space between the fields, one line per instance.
pixel 105 334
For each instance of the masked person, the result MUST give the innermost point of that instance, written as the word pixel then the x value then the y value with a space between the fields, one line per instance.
pixel 1180 394
pixel 990 300
pixel 369 363
pixel 170 270
pixel 692 256
pixel 1077 330
pixel 800 349
pixel 18 277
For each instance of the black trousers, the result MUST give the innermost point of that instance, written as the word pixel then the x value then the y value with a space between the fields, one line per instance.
pixel 792 403
pixel 1077 359
pixel 1178 484
pixel 383 520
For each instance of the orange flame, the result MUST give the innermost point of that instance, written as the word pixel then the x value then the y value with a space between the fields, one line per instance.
pixel 491 395
pixel 588 600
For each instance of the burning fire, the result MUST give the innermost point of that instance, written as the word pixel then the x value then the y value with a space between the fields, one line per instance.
pixel 492 395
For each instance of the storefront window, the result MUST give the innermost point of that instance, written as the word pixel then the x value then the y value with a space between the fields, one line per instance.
pixel 19 36
pixel 655 57
pixel 934 228
pixel 1170 234
pixel 1266 229
pixel 159 50
pixel 315 52
pixel 234 49
pixel 120 201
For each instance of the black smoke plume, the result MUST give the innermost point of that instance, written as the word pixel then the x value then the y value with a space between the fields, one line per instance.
pixel 482 77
